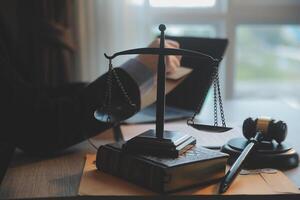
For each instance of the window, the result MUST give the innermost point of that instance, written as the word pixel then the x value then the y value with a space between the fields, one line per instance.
pixel 264 40
pixel 268 60
pixel 263 37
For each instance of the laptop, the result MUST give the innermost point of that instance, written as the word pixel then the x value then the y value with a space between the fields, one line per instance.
pixel 182 102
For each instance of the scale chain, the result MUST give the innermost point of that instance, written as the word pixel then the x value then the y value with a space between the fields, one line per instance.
pixel 218 95
pixel 108 95
pixel 110 82
pixel 221 105
pixel 122 88
pixel 215 103
pixel 109 90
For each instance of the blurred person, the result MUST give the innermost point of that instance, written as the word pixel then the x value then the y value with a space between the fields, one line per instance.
pixel 45 119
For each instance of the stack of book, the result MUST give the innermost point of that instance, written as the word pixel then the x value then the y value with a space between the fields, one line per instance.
pixel 197 166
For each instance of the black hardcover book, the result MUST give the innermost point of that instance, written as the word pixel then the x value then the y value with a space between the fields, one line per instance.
pixel 198 166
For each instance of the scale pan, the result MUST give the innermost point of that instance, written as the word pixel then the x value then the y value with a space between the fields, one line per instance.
pixel 209 128
pixel 114 114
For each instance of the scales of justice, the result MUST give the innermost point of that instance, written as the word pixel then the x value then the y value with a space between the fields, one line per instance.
pixel 157 142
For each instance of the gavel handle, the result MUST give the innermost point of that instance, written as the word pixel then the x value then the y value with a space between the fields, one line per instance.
pixel 237 165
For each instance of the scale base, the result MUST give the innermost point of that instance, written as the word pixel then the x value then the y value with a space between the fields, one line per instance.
pixel 266 155
pixel 172 145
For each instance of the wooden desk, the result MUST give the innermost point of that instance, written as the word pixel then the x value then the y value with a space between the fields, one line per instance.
pixel 60 175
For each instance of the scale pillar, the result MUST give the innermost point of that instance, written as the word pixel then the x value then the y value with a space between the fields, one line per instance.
pixel 161 82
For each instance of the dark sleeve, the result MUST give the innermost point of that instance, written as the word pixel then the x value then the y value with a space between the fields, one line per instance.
pixel 38 121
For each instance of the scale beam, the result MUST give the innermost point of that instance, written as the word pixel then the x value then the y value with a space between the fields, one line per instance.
pixel 164 51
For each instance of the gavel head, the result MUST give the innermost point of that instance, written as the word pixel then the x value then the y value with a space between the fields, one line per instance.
pixel 270 129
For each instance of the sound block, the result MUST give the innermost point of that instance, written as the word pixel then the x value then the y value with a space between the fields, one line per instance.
pixel 265 155
pixel 172 145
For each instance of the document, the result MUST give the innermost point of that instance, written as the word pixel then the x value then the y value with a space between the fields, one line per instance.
pixel 94 182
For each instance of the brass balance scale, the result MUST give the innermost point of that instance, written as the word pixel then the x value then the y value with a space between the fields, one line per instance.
pixel 159 141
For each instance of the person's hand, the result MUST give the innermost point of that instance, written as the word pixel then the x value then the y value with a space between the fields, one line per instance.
pixel 172 62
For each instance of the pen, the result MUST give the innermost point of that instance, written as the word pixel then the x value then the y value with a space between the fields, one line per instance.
pixel 237 165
